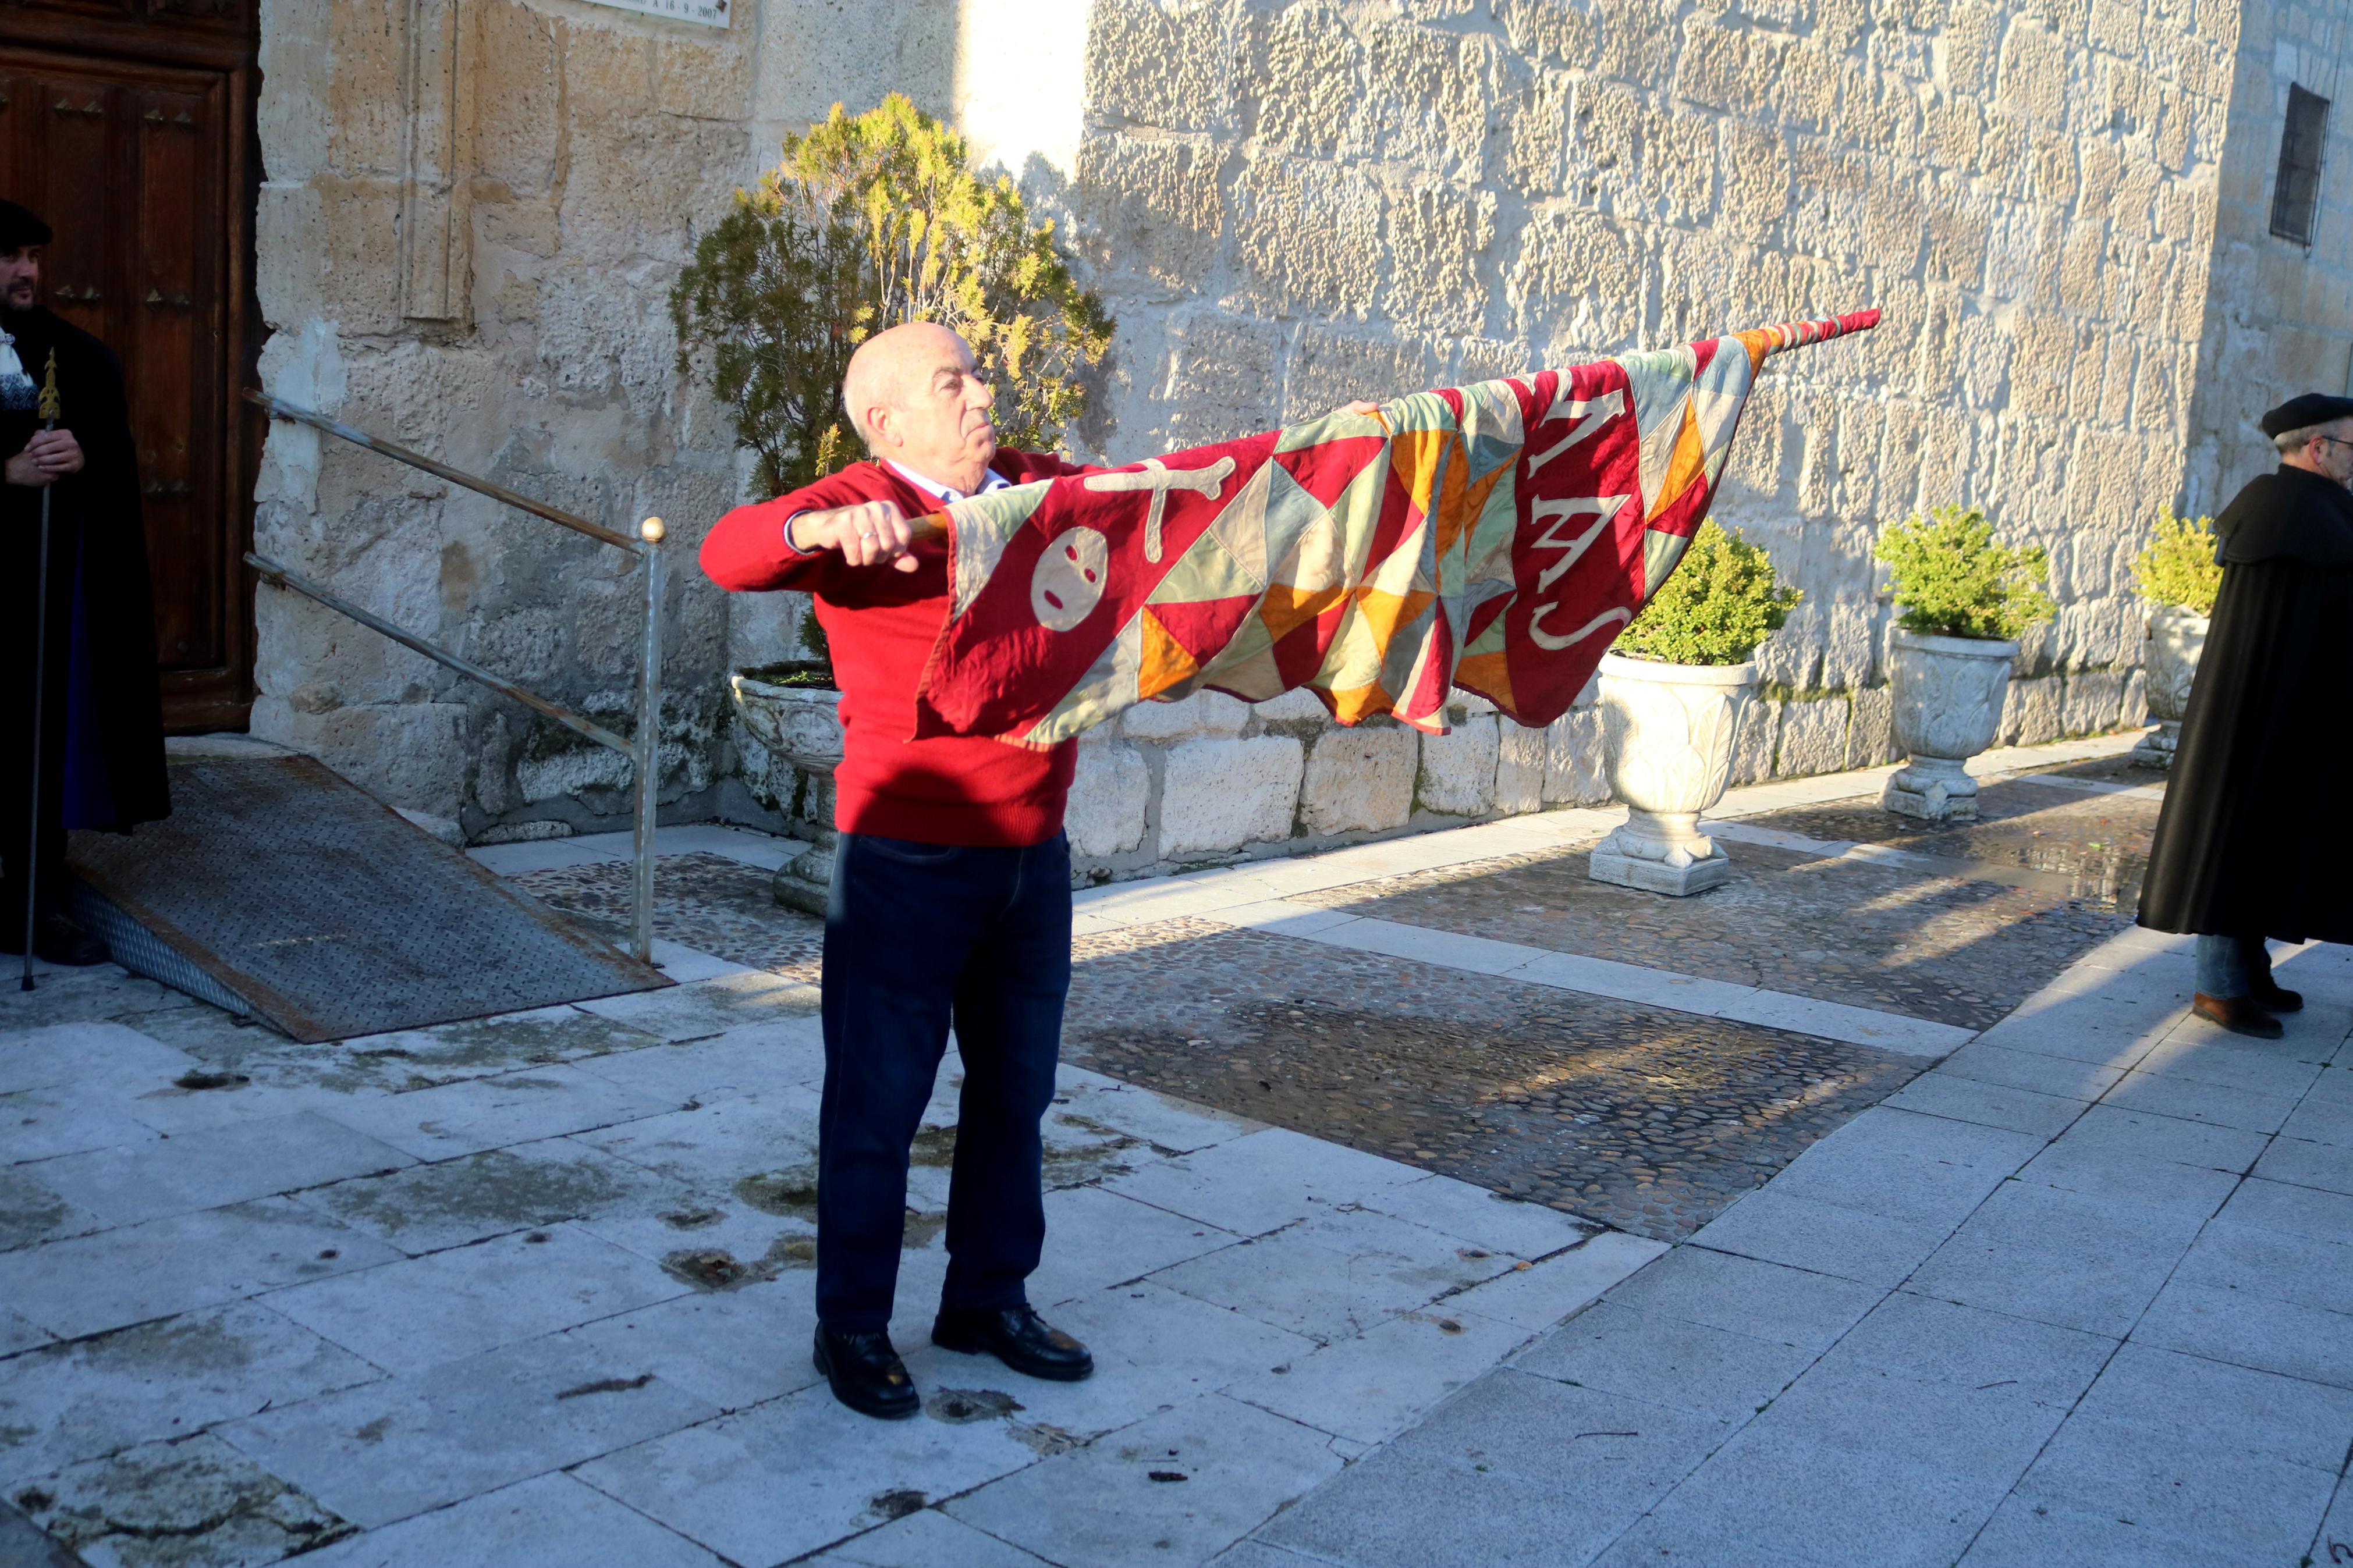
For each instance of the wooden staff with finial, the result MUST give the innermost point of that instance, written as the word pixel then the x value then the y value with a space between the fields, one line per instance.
pixel 48 411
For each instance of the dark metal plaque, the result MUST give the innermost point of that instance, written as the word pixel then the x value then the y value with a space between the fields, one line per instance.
pixel 330 915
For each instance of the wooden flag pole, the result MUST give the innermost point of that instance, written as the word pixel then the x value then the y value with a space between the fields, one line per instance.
pixel 48 410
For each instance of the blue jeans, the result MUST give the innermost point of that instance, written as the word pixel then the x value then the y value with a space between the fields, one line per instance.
pixel 918 937
pixel 2232 966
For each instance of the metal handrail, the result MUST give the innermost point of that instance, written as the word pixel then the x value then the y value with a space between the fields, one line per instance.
pixel 272 572
pixel 280 409
pixel 643 750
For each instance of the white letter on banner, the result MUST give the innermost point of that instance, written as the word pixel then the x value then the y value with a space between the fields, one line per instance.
pixel 1560 512
pixel 1157 478
pixel 1598 412
pixel 1553 642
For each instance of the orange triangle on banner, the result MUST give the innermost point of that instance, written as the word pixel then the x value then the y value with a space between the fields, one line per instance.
pixel 1166 662
pixel 1688 463
pixel 1462 500
pixel 1285 609
pixel 1416 457
pixel 1489 675
pixel 1385 611
pixel 1354 704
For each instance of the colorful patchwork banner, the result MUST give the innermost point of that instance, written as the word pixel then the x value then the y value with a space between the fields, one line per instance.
pixel 1493 537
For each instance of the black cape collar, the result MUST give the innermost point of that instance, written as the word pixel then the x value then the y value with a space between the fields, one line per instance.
pixel 2291 514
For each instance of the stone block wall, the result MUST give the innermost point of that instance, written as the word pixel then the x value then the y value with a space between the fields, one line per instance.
pixel 2279 319
pixel 1290 202
pixel 472 210
pixel 1295 202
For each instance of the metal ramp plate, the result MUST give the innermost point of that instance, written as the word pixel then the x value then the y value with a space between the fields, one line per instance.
pixel 310 904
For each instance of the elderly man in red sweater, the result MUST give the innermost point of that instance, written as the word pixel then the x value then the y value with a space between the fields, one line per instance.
pixel 951 899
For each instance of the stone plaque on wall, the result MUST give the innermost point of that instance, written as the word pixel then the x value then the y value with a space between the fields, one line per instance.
pixel 709 12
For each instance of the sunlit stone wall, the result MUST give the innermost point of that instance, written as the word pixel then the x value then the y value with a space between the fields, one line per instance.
pixel 1292 203
pixel 2061 207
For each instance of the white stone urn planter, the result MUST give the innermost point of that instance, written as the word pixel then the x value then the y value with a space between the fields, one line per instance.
pixel 801 724
pixel 1948 694
pixel 2169 662
pixel 1667 735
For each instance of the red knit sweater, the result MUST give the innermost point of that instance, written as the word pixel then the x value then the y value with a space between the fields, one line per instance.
pixel 880 624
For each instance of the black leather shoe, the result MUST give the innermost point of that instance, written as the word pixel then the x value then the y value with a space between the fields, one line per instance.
pixel 2273 997
pixel 56 939
pixel 2237 1014
pixel 1017 1337
pixel 866 1373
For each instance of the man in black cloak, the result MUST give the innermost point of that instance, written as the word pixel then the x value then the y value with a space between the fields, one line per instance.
pixel 2266 729
pixel 102 748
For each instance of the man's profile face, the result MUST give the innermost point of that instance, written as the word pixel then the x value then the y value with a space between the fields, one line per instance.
pixel 2334 456
pixel 943 412
pixel 20 278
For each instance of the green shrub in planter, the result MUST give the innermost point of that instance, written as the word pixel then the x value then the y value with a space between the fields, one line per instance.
pixel 2179 568
pixel 1714 608
pixel 1951 579
pixel 867 221
pixel 813 674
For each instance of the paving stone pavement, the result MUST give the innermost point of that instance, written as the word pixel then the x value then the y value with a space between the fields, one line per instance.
pixel 2081 1294
pixel 535 1290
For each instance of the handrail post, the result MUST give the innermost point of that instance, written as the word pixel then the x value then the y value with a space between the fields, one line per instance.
pixel 648 741
pixel 643 749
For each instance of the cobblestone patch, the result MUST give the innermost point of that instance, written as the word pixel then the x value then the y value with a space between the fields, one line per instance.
pixel 706 903
pixel 1651 1121
pixel 1958 951
pixel 2098 843
pixel 2116 769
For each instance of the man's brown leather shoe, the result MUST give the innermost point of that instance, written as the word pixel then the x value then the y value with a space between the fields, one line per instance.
pixel 866 1373
pixel 2237 1014
pixel 1017 1337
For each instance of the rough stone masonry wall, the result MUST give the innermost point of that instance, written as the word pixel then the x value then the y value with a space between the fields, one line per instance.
pixel 473 209
pixel 1290 202
pixel 2280 319
pixel 471 214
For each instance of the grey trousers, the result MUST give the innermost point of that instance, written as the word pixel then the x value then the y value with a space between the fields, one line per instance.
pixel 2232 966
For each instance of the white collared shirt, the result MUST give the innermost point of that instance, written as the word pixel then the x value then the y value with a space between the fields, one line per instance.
pixel 990 479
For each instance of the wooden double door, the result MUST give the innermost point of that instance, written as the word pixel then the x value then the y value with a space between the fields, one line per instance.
pixel 127 124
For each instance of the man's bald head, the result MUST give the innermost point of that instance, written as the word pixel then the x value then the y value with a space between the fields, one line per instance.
pixel 892 363
pixel 915 396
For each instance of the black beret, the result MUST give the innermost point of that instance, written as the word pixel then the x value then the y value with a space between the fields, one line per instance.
pixel 19 228
pixel 2301 413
